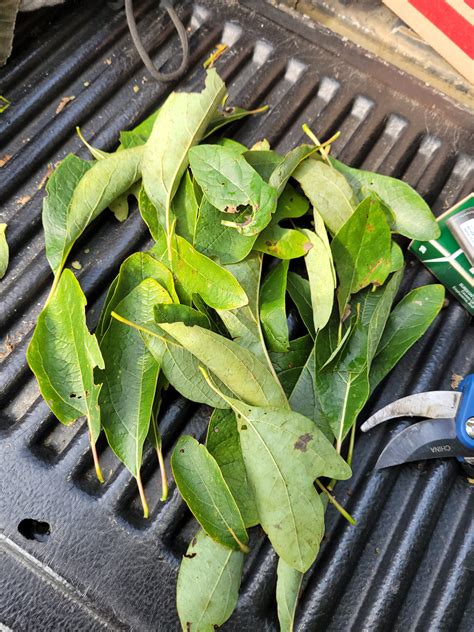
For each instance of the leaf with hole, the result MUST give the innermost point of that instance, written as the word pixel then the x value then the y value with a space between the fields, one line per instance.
pixel 229 182
pixel 217 241
pixel 208 584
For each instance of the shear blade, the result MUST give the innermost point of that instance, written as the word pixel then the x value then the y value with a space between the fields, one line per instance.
pixel 435 404
pixel 429 439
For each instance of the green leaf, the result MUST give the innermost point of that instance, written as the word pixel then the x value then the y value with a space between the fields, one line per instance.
pixel 230 114
pixel 179 366
pixel 322 280
pixel 201 484
pixel 291 205
pixel 154 436
pixel 231 144
pixel 180 124
pixel 239 369
pixel 214 240
pixel 287 593
pixel 407 323
pixel 98 154
pixel 139 134
pixel 413 217
pixel 200 275
pixel 135 269
pixel 208 584
pixel 328 191
pixel 397 260
pixel 304 398
pixel 287 167
pixel 171 313
pixel 343 386
pixel 261 145
pixel 185 209
pixel 197 274
pixel 273 308
pixel 300 293
pixel 60 188
pixel 285 243
pixel 361 250
pixel 284 453
pixel 224 444
pixel 228 181
pixel 243 324
pixel 78 192
pixel 63 354
pixel 181 369
pixel 130 377
pixel 3 250
pixel 263 161
pixel 288 365
pixel 120 207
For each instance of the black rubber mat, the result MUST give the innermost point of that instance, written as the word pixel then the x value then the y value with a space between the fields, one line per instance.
pixel 79 556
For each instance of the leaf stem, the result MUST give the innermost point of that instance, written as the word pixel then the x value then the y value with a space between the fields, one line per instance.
pixel 164 478
pixel 141 491
pixel 321 146
pixel 57 276
pixel 243 547
pixel 351 445
pixel 95 458
pixel 334 502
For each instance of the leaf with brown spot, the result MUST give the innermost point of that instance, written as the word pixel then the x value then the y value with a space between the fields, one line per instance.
pixel 289 507
pixel 361 257
pixel 208 584
pixel 302 442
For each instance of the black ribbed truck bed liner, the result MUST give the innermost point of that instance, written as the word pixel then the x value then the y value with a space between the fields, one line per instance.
pixel 403 567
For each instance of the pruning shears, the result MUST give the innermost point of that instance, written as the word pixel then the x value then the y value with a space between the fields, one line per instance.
pixel 447 430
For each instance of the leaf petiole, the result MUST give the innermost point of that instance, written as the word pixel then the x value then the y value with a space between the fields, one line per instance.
pixel 321 147
pixel 243 547
pixel 334 502
pixel 164 478
pixel 95 457
pixel 141 491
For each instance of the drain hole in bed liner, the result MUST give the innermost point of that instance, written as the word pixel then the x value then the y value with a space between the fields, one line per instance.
pixel 34 529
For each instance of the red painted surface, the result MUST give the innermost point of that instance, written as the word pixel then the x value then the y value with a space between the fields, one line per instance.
pixel 444 17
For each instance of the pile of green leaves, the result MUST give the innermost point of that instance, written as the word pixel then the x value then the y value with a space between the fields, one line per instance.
pixel 195 312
